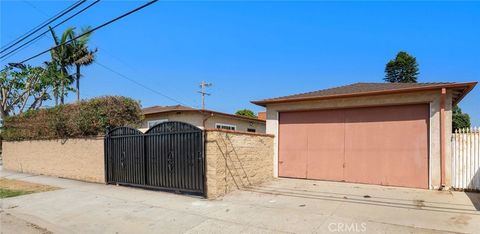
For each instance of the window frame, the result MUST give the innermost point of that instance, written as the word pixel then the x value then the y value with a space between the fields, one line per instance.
pixel 230 127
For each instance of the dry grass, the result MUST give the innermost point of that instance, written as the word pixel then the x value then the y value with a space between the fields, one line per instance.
pixel 12 188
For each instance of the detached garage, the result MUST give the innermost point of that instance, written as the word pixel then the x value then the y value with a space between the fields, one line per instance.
pixel 394 134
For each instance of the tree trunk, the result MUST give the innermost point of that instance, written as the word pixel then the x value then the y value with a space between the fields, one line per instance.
pixel 62 87
pixel 78 82
pixel 62 92
pixel 3 113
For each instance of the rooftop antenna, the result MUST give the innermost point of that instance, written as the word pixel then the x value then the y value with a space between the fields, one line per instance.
pixel 203 86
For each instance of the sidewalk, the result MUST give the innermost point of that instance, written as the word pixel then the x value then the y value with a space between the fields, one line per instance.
pixel 281 206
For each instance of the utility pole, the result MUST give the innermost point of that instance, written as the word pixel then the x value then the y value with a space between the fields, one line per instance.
pixel 203 86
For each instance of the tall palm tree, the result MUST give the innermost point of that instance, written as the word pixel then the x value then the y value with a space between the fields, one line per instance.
pixel 80 53
pixel 61 57
pixel 52 71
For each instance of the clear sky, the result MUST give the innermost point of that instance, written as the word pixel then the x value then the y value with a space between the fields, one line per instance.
pixel 259 49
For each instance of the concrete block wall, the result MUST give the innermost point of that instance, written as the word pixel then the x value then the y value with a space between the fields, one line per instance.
pixel 79 159
pixel 236 161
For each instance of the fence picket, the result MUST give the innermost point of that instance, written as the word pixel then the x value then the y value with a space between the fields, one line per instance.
pixel 466 158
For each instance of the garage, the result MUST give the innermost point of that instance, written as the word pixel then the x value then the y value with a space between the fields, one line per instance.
pixel 390 134
pixel 385 145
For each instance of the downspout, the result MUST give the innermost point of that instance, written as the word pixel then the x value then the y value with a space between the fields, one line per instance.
pixel 443 98
pixel 205 156
pixel 205 119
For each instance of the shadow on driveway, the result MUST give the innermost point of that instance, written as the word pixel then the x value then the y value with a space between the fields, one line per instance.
pixel 475 199
pixel 389 199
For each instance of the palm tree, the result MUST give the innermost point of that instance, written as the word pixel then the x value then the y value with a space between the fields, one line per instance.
pixel 61 57
pixel 52 71
pixel 80 54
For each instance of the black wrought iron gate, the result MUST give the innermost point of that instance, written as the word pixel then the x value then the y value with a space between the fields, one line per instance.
pixel 169 156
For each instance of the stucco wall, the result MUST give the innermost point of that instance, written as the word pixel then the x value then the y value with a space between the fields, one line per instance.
pixel 431 97
pixel 197 118
pixel 236 161
pixel 187 117
pixel 80 159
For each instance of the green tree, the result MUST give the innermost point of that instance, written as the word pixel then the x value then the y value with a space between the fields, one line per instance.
pixel 402 69
pixel 459 119
pixel 53 71
pixel 246 113
pixel 23 89
pixel 81 55
pixel 62 58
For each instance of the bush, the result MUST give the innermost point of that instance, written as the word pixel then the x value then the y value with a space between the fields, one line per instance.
pixel 86 118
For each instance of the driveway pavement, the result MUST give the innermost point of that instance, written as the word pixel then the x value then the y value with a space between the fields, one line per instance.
pixel 280 206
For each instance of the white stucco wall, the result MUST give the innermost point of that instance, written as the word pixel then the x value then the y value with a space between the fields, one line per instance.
pixel 197 118
pixel 431 97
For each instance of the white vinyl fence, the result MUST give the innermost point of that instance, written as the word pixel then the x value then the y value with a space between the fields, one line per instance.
pixel 466 159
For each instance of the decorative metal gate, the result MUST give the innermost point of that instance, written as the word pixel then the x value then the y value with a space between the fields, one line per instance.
pixel 169 156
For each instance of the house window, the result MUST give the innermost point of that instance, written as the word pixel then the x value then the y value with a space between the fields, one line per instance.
pixel 225 126
pixel 251 130
pixel 152 123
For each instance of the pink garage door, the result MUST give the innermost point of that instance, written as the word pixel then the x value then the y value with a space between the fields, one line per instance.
pixel 374 145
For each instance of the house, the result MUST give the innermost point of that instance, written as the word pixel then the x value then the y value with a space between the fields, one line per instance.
pixel 395 134
pixel 204 119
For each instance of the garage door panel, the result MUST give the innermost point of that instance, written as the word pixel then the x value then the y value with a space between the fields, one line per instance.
pixel 293 136
pixel 293 145
pixel 387 145
pixel 325 165
pixel 375 145
pixel 326 145
pixel 293 164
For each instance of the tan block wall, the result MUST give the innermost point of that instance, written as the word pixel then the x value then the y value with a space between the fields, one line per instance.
pixel 431 97
pixel 236 161
pixel 80 159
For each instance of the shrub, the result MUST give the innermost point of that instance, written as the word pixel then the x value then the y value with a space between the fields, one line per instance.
pixel 86 118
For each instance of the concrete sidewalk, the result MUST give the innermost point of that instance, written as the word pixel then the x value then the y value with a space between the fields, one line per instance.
pixel 281 206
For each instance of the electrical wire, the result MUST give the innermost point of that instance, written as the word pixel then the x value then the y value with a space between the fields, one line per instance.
pixel 90 31
pixel 3 46
pixel 137 71
pixel 140 84
pixel 45 24
pixel 46 31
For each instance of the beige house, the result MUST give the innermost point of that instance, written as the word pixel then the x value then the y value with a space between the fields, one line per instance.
pixel 395 134
pixel 204 119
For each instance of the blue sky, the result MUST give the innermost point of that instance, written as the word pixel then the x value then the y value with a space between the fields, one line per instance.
pixel 252 50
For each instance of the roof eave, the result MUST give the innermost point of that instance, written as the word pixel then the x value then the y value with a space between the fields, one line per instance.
pixel 210 112
pixel 468 85
pixel 467 90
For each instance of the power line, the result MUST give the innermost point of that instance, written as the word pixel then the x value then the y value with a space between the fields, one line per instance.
pixel 35 7
pixel 140 84
pixel 45 24
pixel 46 31
pixel 134 69
pixel 26 46
pixel 3 46
pixel 92 30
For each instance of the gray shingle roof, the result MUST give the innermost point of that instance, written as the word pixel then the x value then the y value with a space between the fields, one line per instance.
pixel 179 108
pixel 361 89
pixel 160 109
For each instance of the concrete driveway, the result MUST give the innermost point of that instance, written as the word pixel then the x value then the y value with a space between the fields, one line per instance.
pixel 283 205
